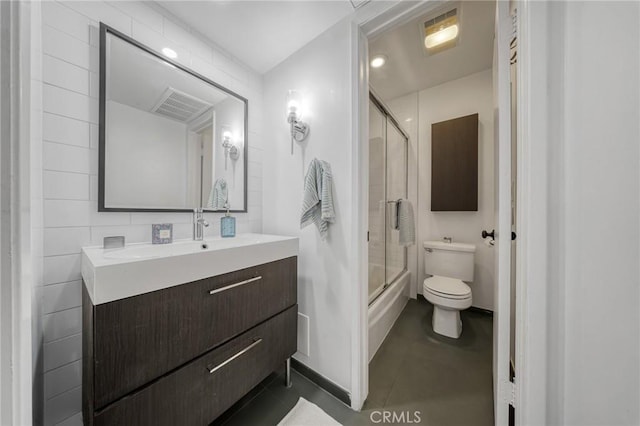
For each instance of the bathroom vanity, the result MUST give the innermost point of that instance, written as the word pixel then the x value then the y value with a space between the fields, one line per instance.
pixel 176 334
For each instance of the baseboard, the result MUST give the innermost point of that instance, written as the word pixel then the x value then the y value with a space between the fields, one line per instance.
pixel 319 380
pixel 481 311
pixel 472 309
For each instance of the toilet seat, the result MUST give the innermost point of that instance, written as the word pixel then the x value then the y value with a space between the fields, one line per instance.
pixel 449 288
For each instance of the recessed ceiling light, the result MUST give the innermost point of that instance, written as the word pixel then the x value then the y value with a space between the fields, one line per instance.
pixel 169 53
pixel 378 61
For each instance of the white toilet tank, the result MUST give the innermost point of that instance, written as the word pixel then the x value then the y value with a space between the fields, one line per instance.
pixel 453 260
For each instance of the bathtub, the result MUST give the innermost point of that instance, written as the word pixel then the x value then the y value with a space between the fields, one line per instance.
pixel 385 310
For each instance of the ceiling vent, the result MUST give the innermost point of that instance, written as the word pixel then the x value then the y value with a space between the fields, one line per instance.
pixel 179 105
pixel 442 32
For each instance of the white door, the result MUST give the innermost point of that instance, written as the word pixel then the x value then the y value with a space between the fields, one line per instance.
pixel 502 132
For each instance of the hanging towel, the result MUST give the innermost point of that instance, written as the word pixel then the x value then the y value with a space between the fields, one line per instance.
pixel 317 202
pixel 219 195
pixel 406 223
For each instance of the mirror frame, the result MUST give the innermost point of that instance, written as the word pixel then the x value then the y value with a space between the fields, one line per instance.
pixel 106 29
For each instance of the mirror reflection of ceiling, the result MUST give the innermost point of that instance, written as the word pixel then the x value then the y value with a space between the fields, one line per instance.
pixel 409 68
pixel 142 81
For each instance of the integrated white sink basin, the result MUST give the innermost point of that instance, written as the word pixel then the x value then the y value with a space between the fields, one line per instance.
pixel 112 274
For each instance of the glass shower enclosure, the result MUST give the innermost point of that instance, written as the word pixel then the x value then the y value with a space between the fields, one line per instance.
pixel 388 150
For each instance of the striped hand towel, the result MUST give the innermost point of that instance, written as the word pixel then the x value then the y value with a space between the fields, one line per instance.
pixel 317 202
pixel 219 195
pixel 406 223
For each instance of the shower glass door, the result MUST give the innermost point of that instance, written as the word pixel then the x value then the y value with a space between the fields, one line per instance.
pixel 387 184
pixel 395 259
pixel 377 200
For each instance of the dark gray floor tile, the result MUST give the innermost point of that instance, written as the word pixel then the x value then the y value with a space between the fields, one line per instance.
pixel 263 410
pixel 383 369
pixel 446 381
pixel 302 387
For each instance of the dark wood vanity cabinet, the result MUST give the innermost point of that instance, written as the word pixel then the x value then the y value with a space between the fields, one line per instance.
pixel 148 359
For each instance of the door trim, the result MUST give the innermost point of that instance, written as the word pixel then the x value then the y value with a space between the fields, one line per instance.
pixel 531 334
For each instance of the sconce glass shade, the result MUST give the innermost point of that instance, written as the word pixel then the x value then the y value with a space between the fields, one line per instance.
pixel 293 105
pixel 299 129
pixel 230 148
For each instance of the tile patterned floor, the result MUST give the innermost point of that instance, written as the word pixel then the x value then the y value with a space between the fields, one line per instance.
pixel 448 381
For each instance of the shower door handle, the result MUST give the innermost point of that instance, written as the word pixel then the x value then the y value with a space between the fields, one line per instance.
pixel 396 204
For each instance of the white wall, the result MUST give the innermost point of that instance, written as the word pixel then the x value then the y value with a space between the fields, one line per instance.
pixel 70 158
pixel 601 214
pixel 147 159
pixel 468 95
pixel 322 72
pixel 580 284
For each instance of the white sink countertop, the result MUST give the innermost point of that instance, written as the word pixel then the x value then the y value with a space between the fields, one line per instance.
pixel 113 274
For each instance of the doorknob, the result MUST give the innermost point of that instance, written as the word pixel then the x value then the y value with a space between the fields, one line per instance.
pixel 492 234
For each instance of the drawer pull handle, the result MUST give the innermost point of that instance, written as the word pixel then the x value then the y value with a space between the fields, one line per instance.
pixel 229 287
pixel 245 350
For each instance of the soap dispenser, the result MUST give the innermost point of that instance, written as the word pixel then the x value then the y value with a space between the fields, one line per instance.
pixel 227 225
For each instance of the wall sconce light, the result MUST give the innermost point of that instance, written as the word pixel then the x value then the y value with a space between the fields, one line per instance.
pixel 299 129
pixel 230 149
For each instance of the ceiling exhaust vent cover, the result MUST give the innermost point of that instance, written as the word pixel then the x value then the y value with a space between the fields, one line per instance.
pixel 179 105
pixel 441 32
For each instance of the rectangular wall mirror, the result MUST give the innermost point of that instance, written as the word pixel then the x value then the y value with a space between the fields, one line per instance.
pixel 454 164
pixel 170 138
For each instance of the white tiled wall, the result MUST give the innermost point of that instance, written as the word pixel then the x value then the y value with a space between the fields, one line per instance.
pixel 69 146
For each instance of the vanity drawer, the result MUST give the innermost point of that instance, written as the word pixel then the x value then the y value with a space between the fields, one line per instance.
pixel 192 395
pixel 141 338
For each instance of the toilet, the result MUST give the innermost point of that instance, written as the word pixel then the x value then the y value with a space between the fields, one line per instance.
pixel 451 268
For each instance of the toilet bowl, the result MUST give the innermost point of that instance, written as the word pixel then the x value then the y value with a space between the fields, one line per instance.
pixel 450 265
pixel 449 296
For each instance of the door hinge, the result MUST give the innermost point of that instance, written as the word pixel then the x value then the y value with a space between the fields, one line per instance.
pixel 512 392
pixel 367 236
pixel 509 393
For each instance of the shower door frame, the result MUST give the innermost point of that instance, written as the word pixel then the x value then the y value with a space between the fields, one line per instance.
pixel 373 98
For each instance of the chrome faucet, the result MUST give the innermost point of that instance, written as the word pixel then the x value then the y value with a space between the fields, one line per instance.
pixel 198 225
pixel 448 240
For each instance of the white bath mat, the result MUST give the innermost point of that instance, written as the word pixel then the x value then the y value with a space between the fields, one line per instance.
pixel 306 413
